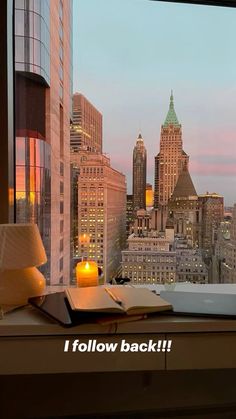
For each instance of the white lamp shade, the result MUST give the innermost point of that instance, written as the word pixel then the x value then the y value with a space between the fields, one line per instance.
pixel 21 246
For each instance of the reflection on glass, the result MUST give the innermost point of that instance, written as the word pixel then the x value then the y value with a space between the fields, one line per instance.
pixel 20 156
pixel 33 184
pixel 20 179
pixel 32 46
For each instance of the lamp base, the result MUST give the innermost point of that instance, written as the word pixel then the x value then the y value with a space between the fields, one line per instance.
pixel 17 285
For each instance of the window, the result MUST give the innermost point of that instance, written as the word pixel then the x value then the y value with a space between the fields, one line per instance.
pixel 61 264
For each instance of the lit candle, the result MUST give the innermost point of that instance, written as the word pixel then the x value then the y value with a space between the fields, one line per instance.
pixel 87 274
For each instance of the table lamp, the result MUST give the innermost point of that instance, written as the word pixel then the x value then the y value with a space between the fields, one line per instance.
pixel 21 250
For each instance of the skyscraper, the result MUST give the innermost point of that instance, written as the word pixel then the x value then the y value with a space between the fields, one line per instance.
pixel 43 102
pixel 101 209
pixel 86 128
pixel 129 213
pixel 212 215
pixel 171 159
pixel 139 174
pixel 225 252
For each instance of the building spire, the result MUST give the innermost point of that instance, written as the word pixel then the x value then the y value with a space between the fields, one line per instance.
pixel 171 118
pixel 171 99
pixel 140 138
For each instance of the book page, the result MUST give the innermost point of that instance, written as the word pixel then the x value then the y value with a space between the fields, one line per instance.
pixel 92 299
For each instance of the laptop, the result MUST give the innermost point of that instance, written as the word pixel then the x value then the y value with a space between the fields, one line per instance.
pixel 201 303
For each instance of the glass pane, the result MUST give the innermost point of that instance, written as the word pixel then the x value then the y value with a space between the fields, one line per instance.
pixel 30 24
pixel 37 6
pixel 20 151
pixel 20 178
pixel 37 58
pixel 19 4
pixel 37 24
pixel 37 152
pixel 19 49
pixel 19 19
pixel 37 179
pixel 32 151
pixel 32 179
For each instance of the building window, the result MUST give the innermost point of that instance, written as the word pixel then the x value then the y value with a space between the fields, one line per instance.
pixel 61 264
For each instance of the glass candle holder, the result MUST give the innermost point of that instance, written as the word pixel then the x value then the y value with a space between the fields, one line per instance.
pixel 87 274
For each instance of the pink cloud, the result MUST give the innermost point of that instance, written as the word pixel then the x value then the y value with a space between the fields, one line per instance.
pixel 203 168
pixel 210 142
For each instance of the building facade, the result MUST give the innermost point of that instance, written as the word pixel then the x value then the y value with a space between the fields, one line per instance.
pixel 129 213
pixel 139 174
pixel 43 82
pixel 224 259
pixel 184 210
pixel 141 223
pixel 212 215
pixel 190 266
pixel 149 260
pixel 160 259
pixel 101 211
pixel 86 126
pixel 171 159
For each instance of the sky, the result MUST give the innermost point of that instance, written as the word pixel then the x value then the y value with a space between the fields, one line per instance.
pixel 129 54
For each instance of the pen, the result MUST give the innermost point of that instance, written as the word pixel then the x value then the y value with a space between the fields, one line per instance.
pixel 113 296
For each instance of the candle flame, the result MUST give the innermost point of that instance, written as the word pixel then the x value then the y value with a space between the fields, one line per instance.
pixel 86 265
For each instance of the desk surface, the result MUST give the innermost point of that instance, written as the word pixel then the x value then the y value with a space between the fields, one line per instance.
pixel 30 344
pixel 28 321
pixel 34 337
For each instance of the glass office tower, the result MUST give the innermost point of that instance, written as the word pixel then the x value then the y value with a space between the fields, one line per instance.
pixel 43 105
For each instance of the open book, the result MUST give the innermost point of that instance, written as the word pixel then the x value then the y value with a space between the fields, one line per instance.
pixel 115 299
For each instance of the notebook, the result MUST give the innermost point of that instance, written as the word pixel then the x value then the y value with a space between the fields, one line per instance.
pixel 115 299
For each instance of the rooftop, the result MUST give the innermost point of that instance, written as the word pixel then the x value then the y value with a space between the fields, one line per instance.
pixel 171 118
pixel 184 186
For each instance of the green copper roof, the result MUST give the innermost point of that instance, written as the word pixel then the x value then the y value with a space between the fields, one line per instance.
pixel 171 118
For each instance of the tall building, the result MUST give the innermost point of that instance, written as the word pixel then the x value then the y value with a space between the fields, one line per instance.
pixel 212 215
pixel 86 127
pixel 74 211
pixel 171 159
pixel 129 214
pixel 43 63
pixel 224 259
pixel 101 210
pixel 85 135
pixel 139 174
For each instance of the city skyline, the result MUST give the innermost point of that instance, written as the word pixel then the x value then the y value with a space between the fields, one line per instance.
pixel 140 64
